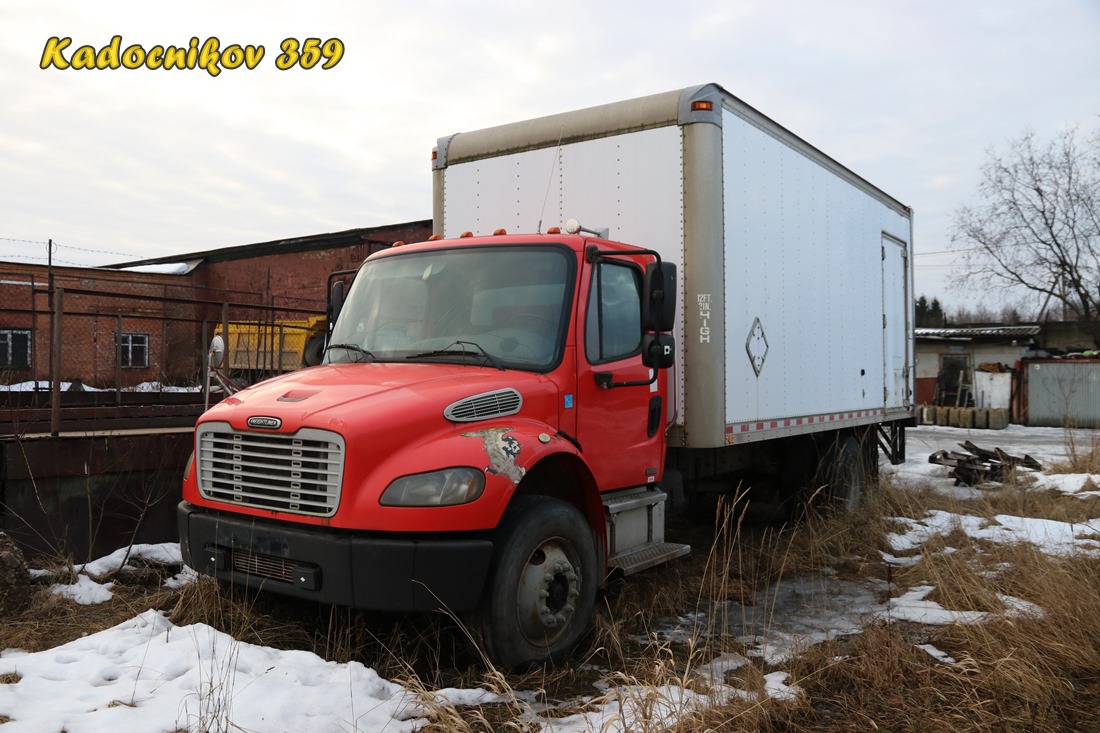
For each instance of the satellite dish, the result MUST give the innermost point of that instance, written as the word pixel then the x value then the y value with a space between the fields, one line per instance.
pixel 217 352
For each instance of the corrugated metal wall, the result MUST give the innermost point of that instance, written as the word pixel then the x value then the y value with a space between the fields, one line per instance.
pixel 1063 392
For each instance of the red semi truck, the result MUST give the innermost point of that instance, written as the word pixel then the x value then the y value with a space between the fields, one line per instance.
pixel 500 418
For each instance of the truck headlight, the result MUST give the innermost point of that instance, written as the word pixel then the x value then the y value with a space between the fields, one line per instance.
pixel 448 487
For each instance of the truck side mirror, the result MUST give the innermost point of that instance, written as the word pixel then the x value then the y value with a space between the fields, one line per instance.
pixel 217 352
pixel 335 301
pixel 659 297
pixel 658 350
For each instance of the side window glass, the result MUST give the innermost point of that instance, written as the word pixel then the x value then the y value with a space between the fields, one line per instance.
pixel 614 325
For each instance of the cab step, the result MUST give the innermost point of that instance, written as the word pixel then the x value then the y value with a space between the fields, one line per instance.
pixel 636 530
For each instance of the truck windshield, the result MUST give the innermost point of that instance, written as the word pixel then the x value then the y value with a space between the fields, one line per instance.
pixel 503 307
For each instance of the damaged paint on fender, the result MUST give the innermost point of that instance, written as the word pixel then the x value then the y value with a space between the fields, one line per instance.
pixel 502 450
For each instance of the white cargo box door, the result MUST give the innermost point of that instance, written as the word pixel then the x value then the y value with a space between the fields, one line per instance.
pixel 896 335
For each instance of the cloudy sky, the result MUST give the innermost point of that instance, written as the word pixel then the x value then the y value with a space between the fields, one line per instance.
pixel 115 165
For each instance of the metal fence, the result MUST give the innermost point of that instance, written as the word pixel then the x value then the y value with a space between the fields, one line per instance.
pixel 1063 393
pixel 119 333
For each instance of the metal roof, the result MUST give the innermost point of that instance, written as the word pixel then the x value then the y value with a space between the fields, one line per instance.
pixel 280 246
pixel 978 332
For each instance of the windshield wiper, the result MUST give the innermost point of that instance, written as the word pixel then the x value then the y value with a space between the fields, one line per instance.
pixel 449 351
pixel 351 347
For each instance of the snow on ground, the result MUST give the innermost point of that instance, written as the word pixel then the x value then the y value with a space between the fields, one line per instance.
pixel 1046 445
pixel 44 386
pixel 1047 535
pixel 148 675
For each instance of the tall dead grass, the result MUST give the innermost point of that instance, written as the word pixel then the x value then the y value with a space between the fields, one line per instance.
pixel 1082 451
pixel 1020 670
pixel 1031 666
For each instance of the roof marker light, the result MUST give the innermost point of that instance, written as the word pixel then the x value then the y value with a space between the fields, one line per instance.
pixel 398 243
pixel 554 230
pixel 702 105
pixel 435 238
pixel 499 232
pixel 464 235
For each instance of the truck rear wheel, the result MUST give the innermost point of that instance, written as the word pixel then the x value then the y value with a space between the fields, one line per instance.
pixel 844 474
pixel 542 589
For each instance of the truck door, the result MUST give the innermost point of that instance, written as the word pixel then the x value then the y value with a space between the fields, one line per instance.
pixel 620 429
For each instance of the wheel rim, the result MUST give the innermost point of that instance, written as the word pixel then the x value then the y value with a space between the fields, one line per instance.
pixel 549 586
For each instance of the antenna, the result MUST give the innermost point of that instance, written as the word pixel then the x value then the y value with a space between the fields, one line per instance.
pixel 553 168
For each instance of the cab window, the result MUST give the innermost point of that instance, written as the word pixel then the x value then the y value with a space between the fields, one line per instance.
pixel 614 324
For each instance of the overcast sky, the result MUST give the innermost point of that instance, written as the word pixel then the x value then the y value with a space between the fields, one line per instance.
pixel 116 165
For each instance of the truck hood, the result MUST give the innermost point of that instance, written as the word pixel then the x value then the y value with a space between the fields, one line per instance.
pixel 349 398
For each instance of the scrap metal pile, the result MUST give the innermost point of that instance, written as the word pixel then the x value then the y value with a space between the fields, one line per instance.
pixel 979 465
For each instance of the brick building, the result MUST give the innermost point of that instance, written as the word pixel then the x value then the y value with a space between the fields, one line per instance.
pixel 127 323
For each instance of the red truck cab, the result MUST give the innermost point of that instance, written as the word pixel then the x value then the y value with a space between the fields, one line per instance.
pixel 486 434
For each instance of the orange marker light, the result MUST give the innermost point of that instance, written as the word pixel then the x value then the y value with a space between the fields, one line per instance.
pixel 554 230
pixel 702 106
pixel 465 234
pixel 499 232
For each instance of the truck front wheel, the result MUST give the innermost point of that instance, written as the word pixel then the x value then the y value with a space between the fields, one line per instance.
pixel 542 589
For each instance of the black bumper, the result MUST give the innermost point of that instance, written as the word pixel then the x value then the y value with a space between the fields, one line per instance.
pixel 343 568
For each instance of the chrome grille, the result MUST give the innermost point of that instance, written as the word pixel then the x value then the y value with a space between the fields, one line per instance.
pixel 266 566
pixel 299 473
pixel 497 403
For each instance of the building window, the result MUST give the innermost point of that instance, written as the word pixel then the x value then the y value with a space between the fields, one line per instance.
pixel 15 349
pixel 135 350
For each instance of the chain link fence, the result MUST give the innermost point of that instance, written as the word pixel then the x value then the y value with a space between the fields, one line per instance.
pixel 118 333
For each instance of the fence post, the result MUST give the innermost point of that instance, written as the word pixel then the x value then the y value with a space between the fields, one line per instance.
pixel 118 359
pixel 225 335
pixel 205 368
pixel 55 362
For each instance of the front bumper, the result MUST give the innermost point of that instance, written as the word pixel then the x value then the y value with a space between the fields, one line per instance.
pixel 382 573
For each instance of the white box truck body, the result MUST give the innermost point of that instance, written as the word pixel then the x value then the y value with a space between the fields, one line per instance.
pixel 796 278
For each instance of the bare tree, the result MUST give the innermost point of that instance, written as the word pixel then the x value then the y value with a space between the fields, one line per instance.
pixel 1038 226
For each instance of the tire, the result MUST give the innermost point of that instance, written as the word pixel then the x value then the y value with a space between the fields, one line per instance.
pixel 542 588
pixel 314 351
pixel 844 473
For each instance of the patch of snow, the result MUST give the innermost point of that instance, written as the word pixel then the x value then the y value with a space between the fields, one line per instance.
pixel 1071 483
pixel 912 606
pixel 1046 535
pixel 937 654
pixel 84 591
pixel 146 674
pixel 776 687
pixel 165 553
pixel 715 671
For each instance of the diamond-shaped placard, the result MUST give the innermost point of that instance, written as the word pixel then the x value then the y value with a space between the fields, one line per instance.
pixel 756 346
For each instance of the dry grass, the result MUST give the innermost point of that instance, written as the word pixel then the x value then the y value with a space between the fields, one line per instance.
pixel 1083 451
pixel 47 620
pixel 1015 672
